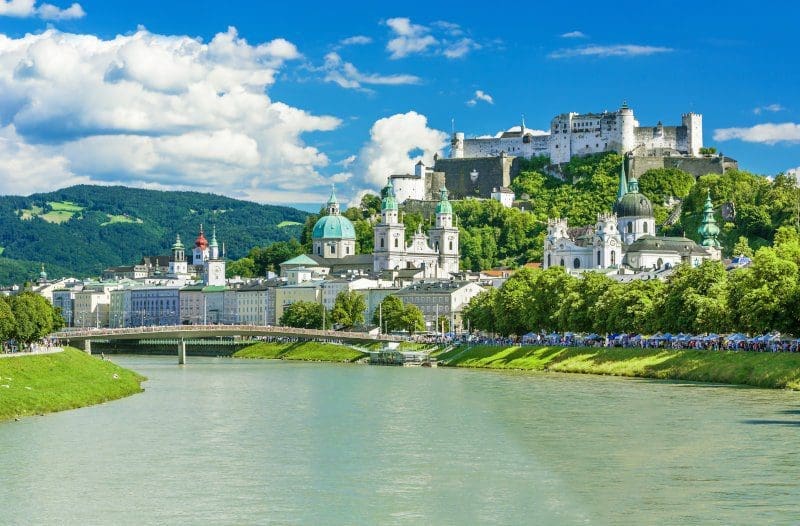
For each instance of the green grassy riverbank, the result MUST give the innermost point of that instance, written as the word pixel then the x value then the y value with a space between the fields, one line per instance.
pixel 770 370
pixel 38 384
pixel 306 351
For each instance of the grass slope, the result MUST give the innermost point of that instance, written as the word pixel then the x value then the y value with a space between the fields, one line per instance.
pixel 307 351
pixel 772 370
pixel 47 383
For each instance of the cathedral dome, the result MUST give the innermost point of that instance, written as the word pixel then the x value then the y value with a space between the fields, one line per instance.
pixel 633 204
pixel 333 227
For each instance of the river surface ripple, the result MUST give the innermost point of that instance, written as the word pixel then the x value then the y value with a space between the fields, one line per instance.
pixel 225 441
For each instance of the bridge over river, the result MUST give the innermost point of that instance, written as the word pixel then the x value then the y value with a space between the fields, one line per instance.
pixel 83 338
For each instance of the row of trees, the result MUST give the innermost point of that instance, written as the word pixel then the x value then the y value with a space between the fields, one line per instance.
pixel 760 298
pixel 348 312
pixel 27 318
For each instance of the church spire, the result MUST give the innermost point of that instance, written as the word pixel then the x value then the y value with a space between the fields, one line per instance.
pixel 623 182
pixel 708 229
pixel 333 203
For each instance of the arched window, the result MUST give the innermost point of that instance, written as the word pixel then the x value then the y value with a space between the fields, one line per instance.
pixel 576 263
pixel 630 227
pixel 396 242
pixel 381 242
pixel 346 250
pixel 548 260
pixel 645 227
pixel 437 247
pixel 451 245
pixel 598 258
pixel 319 250
pixel 613 257
pixel 333 249
pixel 562 262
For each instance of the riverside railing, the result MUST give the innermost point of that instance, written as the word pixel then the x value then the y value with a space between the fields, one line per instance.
pixel 94 333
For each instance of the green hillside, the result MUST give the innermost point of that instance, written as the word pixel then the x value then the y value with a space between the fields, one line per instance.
pixel 83 229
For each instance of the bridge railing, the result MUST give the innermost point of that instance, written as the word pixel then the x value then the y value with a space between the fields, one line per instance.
pixel 211 329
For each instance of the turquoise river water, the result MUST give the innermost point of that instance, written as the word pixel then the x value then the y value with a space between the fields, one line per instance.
pixel 224 441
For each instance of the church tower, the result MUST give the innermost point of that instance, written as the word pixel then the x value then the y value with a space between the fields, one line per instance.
pixel 177 263
pixel 633 209
pixel 214 268
pixel 709 230
pixel 200 252
pixel 444 236
pixel 390 234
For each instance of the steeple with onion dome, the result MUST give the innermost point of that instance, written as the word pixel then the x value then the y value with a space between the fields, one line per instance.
pixel 708 229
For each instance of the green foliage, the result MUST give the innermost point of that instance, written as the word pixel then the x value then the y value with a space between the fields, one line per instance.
pixel 269 258
pixel 390 312
pixel 89 242
pixel 304 315
pixel 7 320
pixel 708 150
pixel 348 309
pixel 659 184
pixel 413 320
pixel 742 248
pixel 34 318
pixel 244 267
pixel 761 298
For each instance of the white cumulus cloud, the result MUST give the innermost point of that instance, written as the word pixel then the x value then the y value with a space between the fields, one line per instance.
pixel 346 75
pixel 480 95
pixel 154 110
pixel 396 144
pixel 768 133
pixel 356 40
pixel 574 34
pixel 618 50
pixel 447 39
pixel 27 9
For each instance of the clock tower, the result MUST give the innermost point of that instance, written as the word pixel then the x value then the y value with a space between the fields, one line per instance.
pixel 390 235
pixel 214 266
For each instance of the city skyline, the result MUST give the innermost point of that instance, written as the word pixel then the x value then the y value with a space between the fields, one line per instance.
pixel 268 104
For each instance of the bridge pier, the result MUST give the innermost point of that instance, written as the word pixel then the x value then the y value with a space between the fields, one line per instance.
pixel 84 345
pixel 181 352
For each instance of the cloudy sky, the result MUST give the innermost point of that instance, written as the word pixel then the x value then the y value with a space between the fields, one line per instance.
pixel 275 101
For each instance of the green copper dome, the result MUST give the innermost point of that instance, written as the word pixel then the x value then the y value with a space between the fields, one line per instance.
pixel 633 204
pixel 444 206
pixel 333 227
pixel 178 244
pixel 388 202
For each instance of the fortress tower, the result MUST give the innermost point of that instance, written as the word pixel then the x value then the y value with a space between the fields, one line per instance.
pixel 626 124
pixel 694 132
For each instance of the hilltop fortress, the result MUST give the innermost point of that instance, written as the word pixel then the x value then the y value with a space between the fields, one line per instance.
pixel 583 134
pixel 481 166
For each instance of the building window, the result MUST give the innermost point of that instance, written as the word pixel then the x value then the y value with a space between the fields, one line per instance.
pixel 396 242
pixel 548 260
pixel 319 251
pixel 645 227
pixel 333 249
pixel 346 250
pixel 451 245
pixel 576 263
pixel 381 242
pixel 598 258
pixel 562 262
pixel 613 257
pixel 630 227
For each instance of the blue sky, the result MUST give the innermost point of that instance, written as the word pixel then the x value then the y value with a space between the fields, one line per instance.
pixel 274 101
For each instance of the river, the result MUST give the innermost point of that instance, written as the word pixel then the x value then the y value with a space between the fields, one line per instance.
pixel 224 441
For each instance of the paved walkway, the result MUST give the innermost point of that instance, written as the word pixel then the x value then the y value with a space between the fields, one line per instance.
pixel 34 352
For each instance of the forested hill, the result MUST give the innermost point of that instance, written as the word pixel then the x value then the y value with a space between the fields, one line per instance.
pixel 84 229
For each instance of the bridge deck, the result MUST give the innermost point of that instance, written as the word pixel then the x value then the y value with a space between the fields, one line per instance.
pixel 213 331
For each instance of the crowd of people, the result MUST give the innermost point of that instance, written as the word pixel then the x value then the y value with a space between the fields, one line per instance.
pixel 711 342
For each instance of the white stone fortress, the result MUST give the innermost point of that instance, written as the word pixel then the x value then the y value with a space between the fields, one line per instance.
pixel 587 133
